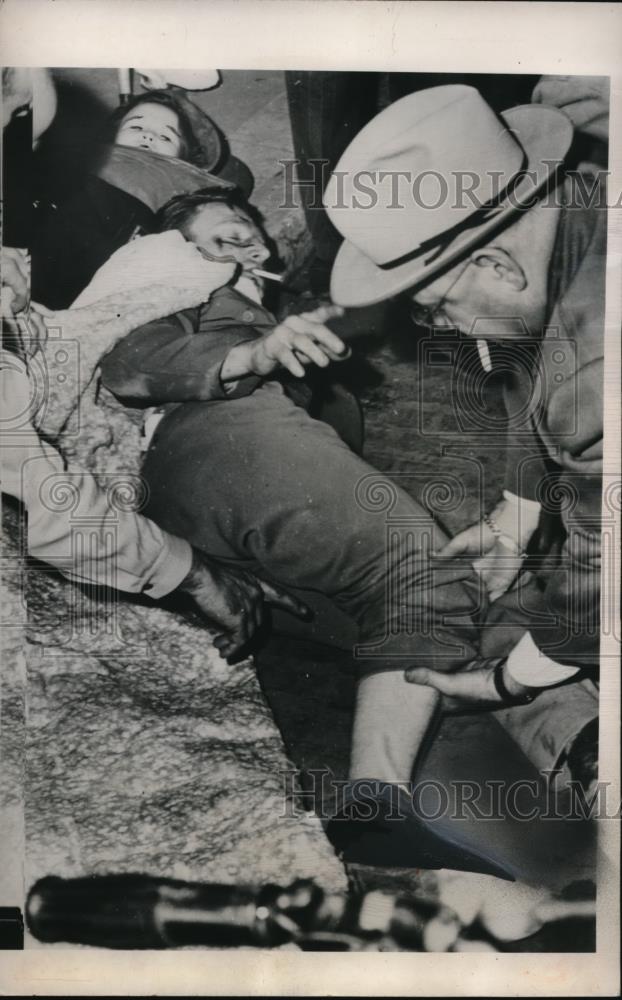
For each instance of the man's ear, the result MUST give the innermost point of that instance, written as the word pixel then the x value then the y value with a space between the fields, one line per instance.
pixel 503 267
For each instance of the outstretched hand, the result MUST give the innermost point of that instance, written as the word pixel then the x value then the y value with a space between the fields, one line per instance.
pixel 497 564
pixel 300 341
pixel 472 687
pixel 16 278
pixel 24 322
pixel 234 601
pixel 27 332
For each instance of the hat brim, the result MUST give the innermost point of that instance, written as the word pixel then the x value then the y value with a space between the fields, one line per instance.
pixel 236 172
pixel 545 135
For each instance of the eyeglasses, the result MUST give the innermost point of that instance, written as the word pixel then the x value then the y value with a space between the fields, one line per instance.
pixel 433 315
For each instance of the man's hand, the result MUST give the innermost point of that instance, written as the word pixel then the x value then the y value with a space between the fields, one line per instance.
pixel 24 323
pixel 299 341
pixel 16 279
pixel 585 99
pixel 496 543
pixel 234 601
pixel 28 330
pixel 472 687
pixel 497 564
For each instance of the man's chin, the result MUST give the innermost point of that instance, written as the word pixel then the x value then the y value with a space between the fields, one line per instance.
pixel 248 272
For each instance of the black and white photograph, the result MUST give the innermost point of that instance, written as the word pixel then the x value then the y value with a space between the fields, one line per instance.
pixel 311 510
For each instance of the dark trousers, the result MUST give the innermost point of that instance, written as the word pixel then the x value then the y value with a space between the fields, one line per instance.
pixel 259 482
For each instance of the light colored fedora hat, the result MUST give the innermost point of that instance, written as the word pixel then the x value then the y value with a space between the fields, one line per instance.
pixel 429 177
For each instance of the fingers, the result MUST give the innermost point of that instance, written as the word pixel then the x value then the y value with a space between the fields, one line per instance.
pixel 324 313
pixel 36 332
pixel 460 545
pixel 14 257
pixel 281 599
pixel 475 540
pixel 590 462
pixel 297 351
pixel 300 341
pixel 333 345
pixel 252 598
pixel 498 571
pixel 251 609
pixel 444 683
pixel 30 331
pixel 226 645
pixel 286 357
pixel 307 351
pixel 229 643
pixel 14 290
pixel 42 310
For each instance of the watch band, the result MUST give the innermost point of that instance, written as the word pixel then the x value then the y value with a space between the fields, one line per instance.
pixel 500 686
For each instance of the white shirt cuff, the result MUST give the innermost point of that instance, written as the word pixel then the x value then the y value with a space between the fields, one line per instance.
pixel 171 568
pixel 530 667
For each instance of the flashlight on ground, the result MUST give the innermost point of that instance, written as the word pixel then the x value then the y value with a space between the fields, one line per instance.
pixel 138 911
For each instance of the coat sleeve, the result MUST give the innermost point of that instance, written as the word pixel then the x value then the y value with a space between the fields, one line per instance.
pixel 567 554
pixel 573 423
pixel 93 540
pixel 570 630
pixel 175 360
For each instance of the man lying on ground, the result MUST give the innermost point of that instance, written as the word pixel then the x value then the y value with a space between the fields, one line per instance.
pixel 240 469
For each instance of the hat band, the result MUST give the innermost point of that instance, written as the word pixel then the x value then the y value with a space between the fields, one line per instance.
pixel 437 247
pixel 481 216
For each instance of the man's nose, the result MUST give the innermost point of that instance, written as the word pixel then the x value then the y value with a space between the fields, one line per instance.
pixel 258 253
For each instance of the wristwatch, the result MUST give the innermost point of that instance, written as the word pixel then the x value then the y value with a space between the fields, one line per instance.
pixel 500 686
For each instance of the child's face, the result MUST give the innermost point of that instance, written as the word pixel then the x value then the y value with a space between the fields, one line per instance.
pixel 153 127
pixel 228 232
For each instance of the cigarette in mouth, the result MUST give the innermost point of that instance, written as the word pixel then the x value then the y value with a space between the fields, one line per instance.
pixel 267 274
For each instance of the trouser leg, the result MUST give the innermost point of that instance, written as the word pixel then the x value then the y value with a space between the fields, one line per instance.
pixel 387 751
pixel 270 487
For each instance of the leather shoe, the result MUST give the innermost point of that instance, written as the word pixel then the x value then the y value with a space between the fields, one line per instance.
pixel 378 824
